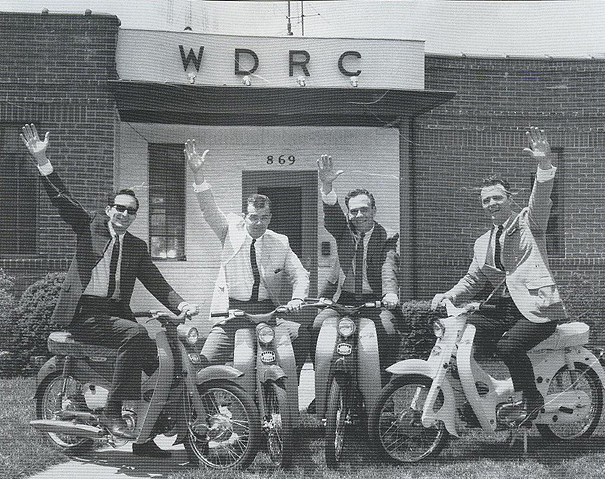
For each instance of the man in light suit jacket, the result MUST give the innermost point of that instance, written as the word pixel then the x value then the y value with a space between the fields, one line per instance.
pixel 94 302
pixel 512 257
pixel 254 263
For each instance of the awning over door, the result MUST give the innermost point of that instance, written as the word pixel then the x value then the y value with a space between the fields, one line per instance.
pixel 151 102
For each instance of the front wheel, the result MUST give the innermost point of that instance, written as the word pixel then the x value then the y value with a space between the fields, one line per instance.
pixel 62 393
pixel 338 415
pixel 582 378
pixel 395 425
pixel 229 434
pixel 278 425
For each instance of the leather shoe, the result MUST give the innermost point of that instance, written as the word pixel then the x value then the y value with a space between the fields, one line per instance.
pixel 117 427
pixel 149 449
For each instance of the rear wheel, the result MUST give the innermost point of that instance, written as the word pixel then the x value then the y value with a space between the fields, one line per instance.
pixel 338 416
pixel 278 425
pixel 395 426
pixel 582 378
pixel 62 393
pixel 229 435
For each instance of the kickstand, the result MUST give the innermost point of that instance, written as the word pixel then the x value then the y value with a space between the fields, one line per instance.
pixel 518 434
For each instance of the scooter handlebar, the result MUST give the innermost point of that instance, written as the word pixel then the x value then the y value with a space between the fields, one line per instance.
pixel 162 316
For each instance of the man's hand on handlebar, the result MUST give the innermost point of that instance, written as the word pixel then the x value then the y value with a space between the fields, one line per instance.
pixel 294 304
pixel 439 300
pixel 189 309
pixel 390 300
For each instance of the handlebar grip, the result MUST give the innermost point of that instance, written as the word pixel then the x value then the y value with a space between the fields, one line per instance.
pixel 220 315
pixel 142 314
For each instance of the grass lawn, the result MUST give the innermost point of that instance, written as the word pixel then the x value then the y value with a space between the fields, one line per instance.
pixel 23 452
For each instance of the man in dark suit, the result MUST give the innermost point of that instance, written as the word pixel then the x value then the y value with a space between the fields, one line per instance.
pixel 362 245
pixel 94 303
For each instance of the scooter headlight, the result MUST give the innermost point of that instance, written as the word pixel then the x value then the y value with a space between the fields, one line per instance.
pixel 438 328
pixel 346 327
pixel 265 333
pixel 188 333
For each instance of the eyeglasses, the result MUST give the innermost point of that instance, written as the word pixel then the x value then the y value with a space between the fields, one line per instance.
pixel 122 208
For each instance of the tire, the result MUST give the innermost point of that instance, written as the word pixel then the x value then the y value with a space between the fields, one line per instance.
pixel 278 425
pixel 230 434
pixel 338 415
pixel 587 380
pixel 395 428
pixel 50 400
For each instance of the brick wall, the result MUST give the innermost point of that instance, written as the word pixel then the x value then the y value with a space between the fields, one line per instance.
pixel 481 132
pixel 53 72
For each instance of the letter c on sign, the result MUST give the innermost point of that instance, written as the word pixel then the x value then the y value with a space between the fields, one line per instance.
pixel 342 68
pixel 245 51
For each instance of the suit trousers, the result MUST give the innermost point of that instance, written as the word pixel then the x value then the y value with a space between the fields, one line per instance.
pixel 508 332
pixel 97 322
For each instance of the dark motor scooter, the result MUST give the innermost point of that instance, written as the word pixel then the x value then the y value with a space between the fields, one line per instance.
pixel 215 419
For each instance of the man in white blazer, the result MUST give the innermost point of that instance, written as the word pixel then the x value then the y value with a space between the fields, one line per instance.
pixel 254 263
pixel 512 257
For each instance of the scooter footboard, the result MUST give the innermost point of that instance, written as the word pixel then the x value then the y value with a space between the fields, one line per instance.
pixel 431 413
pixel 565 408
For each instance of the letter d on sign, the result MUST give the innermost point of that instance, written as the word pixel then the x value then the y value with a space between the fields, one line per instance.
pixel 245 51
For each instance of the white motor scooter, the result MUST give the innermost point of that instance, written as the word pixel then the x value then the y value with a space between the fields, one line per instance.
pixel 425 401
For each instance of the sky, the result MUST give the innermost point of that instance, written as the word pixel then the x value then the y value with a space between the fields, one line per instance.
pixel 558 28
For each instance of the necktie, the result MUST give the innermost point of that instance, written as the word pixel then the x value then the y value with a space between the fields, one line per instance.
pixel 359 265
pixel 113 266
pixel 255 272
pixel 497 249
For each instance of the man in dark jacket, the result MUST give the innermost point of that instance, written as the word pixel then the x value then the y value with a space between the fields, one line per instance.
pixel 94 303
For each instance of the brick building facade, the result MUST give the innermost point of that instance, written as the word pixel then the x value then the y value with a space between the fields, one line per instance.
pixel 54 71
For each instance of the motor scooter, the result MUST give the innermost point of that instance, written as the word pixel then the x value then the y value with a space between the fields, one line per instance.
pixel 204 407
pixel 347 373
pixel 426 401
pixel 265 356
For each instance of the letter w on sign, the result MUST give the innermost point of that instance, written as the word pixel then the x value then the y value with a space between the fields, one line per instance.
pixel 197 61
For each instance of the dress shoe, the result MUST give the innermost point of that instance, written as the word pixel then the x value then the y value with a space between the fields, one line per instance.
pixel 149 449
pixel 117 427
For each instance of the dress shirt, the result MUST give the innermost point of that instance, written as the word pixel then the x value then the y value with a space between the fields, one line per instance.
pixel 238 271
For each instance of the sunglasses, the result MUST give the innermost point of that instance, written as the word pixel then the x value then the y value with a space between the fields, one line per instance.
pixel 122 208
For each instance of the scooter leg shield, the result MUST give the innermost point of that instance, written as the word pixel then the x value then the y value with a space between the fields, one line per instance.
pixel 244 358
pixel 368 363
pixel 287 362
pixel 323 358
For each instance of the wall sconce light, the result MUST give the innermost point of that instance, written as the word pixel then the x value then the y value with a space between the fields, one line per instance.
pixel 301 81
pixel 191 77
pixel 354 81
pixel 246 80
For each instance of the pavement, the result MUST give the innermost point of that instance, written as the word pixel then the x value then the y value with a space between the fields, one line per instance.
pixel 119 462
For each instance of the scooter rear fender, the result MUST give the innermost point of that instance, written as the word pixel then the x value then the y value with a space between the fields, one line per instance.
pixel 47 368
pixel 419 367
pixel 217 372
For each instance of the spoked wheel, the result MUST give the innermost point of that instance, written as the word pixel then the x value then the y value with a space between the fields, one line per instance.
pixel 582 378
pixel 278 425
pixel 62 393
pixel 229 435
pixel 338 416
pixel 395 425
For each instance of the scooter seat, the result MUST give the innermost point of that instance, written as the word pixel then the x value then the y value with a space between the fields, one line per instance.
pixel 566 335
pixel 64 344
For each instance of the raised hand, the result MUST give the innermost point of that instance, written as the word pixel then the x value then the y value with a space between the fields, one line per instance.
pixel 194 159
pixel 326 172
pixel 539 147
pixel 35 146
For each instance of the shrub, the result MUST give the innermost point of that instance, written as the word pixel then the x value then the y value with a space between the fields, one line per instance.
pixel 7 305
pixel 418 337
pixel 32 320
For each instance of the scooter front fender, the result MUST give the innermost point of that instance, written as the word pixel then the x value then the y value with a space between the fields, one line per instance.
pixel 271 373
pixel 217 372
pixel 48 368
pixel 419 367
